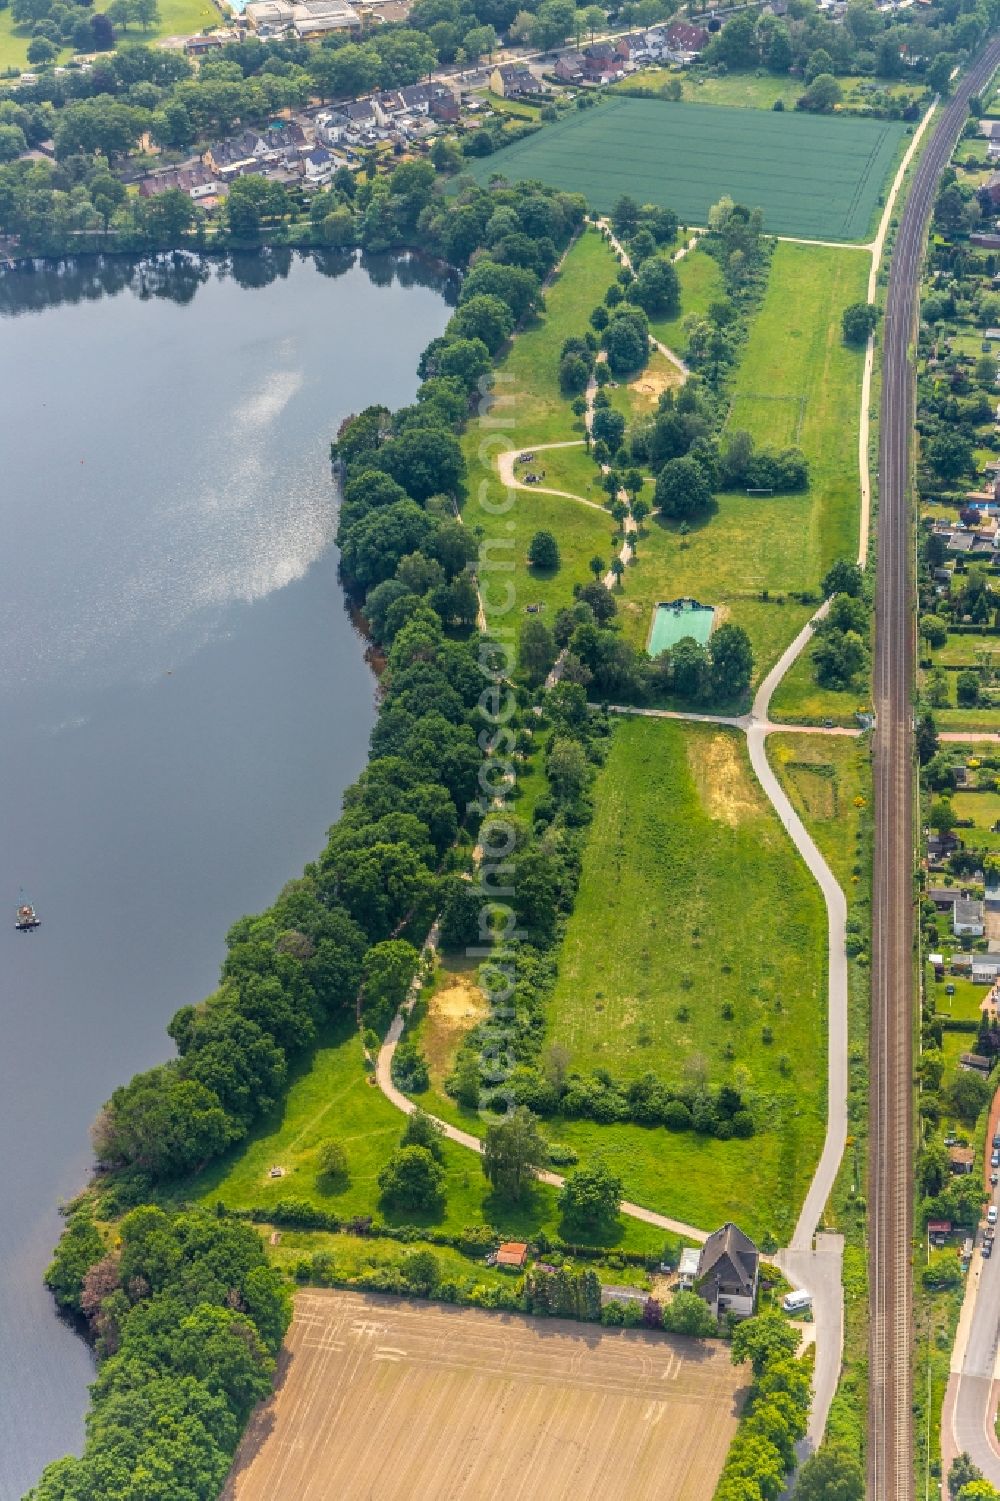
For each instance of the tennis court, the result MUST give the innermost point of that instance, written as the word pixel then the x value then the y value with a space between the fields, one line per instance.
pixel 679 618
pixel 815 176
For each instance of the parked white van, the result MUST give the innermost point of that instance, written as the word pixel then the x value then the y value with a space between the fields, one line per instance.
pixel 797 1302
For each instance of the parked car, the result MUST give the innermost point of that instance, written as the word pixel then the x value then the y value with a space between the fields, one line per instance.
pixel 995 1160
pixel 987 1250
pixel 994 1179
pixel 991 1215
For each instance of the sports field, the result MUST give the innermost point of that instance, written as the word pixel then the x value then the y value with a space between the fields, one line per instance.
pixel 817 177
pixel 388 1400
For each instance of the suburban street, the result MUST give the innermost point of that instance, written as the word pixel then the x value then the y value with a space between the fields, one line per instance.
pixel 890 1418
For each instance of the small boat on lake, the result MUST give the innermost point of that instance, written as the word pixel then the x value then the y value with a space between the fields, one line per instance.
pixel 27 918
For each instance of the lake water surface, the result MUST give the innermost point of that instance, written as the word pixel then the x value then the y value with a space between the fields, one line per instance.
pixel 183 697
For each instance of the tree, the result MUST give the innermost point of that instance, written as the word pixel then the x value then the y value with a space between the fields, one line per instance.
pixel 512 1150
pixel 968 1095
pixel 591 1196
pixel 762 1340
pixel 422 1130
pixel 731 658
pixel 609 427
pixel 687 1313
pixel 843 577
pixel 858 321
pixel 332 1159
pixel 682 491
pixel 553 23
pixel 626 340
pixel 656 288
pixel 567 768
pixel 536 650
pixel 426 461
pixel 934 630
pixel 927 738
pixel 967 685
pixel 484 317
pixel 597 566
pixel 41 50
pixel 950 455
pixel 388 970
pixel 942 815
pixel 625 215
pixel 822 96
pixel 412 1179
pixel 961 1473
pixel 543 551
pixel 421 1269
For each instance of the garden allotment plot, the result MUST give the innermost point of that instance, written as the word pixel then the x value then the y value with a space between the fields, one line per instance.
pixel 817 177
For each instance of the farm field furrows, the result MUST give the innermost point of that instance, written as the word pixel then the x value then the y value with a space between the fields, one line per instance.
pixel 813 176
pixel 389 1399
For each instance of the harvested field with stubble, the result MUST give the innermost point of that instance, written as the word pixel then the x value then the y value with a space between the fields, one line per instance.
pixel 389 1400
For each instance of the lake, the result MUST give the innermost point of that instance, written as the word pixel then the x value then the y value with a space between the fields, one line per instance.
pixel 183 697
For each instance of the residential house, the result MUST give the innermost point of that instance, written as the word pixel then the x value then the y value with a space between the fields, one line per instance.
pixel 961 1160
pixel 632 48
pixel 204 46
pixel 514 81
pixel 989 193
pixel 940 846
pixel 248 146
pixel 968 918
pixel 199 182
pixel 728 1272
pixel 685 42
pixel 319 165
pixel 943 897
pixel 985 968
pixel 961 963
pixel 992 898
pixel 974 1063
pixel 990 129
pixel 601 63
pixel 512 1254
pixel 569 68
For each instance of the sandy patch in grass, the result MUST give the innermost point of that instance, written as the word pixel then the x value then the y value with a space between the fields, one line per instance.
pixel 651 385
pixel 460 1004
pixel 723 783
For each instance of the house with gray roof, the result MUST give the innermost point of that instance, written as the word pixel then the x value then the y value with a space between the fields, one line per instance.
pixel 728 1272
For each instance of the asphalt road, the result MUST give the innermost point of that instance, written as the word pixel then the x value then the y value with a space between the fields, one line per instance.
pixel 890 1454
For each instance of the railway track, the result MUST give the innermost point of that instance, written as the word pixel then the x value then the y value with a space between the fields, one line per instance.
pixel 890 1203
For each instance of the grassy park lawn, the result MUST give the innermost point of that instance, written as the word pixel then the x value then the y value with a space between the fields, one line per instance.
pixel 335 1097
pixel 692 904
pixel 797 383
pixel 814 176
pixel 177 18
pixel 530 410
pixel 963 1005
pixel 823 777
pixel 798 698
pixel 700 278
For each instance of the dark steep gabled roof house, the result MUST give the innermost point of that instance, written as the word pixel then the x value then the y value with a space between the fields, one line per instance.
pixel 728 1271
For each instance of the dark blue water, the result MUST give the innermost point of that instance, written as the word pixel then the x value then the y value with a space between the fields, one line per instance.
pixel 183 697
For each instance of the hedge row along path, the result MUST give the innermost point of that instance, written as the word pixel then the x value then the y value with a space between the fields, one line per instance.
pixel 812 1260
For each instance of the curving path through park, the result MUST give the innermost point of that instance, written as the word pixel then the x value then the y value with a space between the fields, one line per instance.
pixel 812 1259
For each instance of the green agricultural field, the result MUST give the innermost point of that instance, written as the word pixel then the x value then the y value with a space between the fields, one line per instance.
pixel 816 176
pixel 697 946
pixel 529 410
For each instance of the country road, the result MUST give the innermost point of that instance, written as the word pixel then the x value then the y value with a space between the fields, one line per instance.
pixel 890 1197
